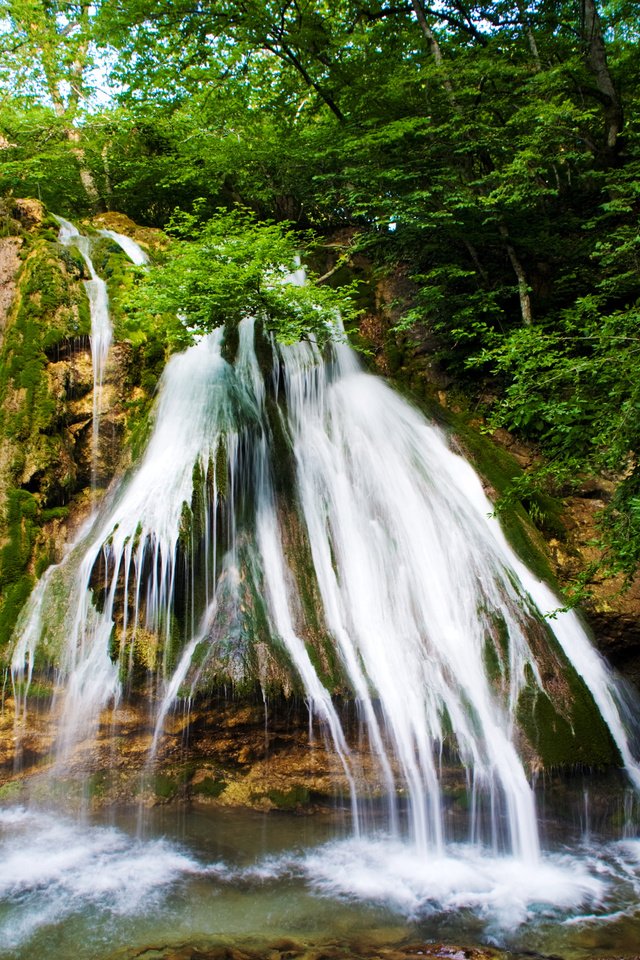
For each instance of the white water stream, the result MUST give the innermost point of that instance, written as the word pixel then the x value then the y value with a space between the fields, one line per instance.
pixel 415 576
pixel 34 619
pixel 101 329
pixel 132 249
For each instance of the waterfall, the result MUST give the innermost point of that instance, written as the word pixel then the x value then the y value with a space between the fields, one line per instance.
pixel 101 327
pixel 419 589
pixel 132 249
pixel 410 578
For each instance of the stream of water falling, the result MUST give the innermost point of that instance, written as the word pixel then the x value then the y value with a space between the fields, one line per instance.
pixel 33 620
pixel 413 574
pixel 132 249
pixel 101 328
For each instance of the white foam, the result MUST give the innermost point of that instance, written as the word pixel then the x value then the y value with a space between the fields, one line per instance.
pixel 505 890
pixel 53 867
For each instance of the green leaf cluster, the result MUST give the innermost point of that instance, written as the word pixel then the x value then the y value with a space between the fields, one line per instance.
pixel 220 270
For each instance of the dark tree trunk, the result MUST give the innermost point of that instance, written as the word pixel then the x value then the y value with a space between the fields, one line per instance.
pixel 596 61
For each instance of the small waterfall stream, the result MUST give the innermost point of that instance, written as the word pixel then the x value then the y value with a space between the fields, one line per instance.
pixel 32 622
pixel 101 328
pixel 132 249
pixel 431 615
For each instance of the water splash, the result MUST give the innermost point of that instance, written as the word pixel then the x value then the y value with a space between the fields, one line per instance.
pixel 79 889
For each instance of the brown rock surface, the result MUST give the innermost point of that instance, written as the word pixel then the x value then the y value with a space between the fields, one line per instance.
pixel 30 212
pixel 9 267
pixel 148 237
pixel 315 950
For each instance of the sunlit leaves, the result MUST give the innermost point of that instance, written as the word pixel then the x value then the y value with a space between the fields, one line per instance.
pixel 217 272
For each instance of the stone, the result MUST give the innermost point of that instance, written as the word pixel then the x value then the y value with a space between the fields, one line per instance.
pixel 31 213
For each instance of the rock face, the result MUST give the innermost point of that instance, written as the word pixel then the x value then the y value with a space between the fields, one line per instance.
pixel 225 751
pixel 47 457
pixel 613 606
pixel 369 948
pixel 9 267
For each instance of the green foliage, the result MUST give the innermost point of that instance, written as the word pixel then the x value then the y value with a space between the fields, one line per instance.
pixel 217 272
pixel 571 385
pixel 16 582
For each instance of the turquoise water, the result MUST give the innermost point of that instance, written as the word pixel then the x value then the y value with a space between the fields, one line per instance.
pixel 85 888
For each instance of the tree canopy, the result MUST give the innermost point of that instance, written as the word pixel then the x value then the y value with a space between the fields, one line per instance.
pixel 489 149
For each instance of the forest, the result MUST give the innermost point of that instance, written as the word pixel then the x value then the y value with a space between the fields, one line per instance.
pixel 488 152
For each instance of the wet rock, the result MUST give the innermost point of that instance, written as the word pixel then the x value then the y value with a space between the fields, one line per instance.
pixel 148 237
pixel 31 213
pixel 333 950
pixel 9 267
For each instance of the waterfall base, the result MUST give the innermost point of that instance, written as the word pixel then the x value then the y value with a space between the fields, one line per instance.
pixel 195 883
pixel 237 752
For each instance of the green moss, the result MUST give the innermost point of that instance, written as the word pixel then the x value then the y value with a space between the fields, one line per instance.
pixel 97 785
pixel 35 691
pixel 49 311
pixel 230 342
pixel 13 599
pixel 221 468
pixel 320 645
pixel 139 425
pixel 577 736
pixel 186 526
pixel 209 787
pixel 16 582
pixel 284 471
pixel 165 787
pixel 112 264
pixel 264 350
pixel 154 358
pixel 12 791
pixel 198 501
pixel 54 513
pixel 74 262
pixel 458 796
pixel 492 662
pixel 289 799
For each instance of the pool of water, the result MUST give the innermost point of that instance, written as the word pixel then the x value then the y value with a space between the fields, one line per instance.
pixel 88 887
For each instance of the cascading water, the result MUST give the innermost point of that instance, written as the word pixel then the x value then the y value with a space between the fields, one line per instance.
pixel 101 329
pixel 132 249
pixel 412 572
pixel 436 623
pixel 33 621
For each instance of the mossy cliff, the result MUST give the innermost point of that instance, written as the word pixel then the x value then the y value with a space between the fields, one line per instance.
pixel 46 394
pixel 43 366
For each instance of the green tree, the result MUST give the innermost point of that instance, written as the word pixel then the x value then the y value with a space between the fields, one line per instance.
pixel 218 271
pixel 46 56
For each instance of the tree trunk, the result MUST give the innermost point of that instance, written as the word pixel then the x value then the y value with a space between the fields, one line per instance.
pixel 285 53
pixel 86 177
pixel 531 38
pixel 518 269
pixel 434 48
pixel 596 61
